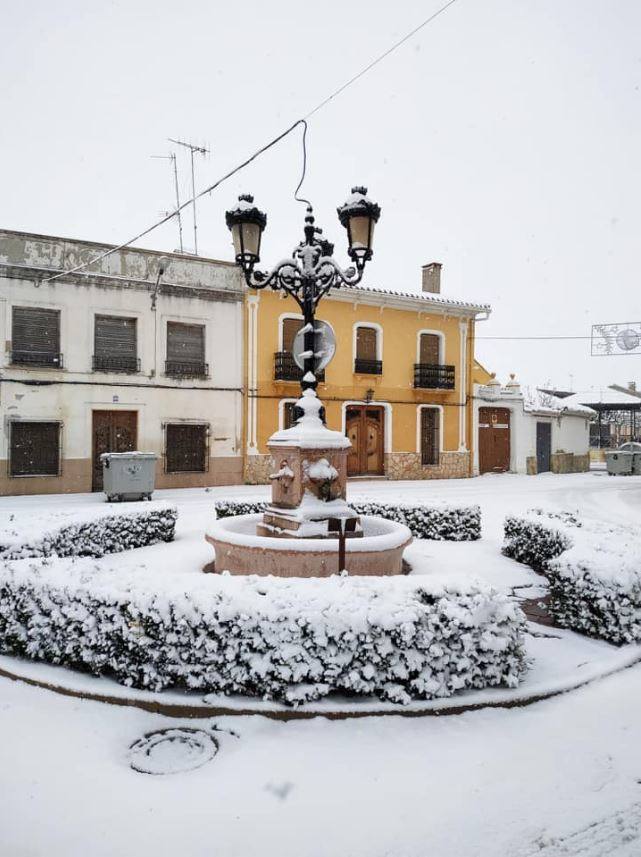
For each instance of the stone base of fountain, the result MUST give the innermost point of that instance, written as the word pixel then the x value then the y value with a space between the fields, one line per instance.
pixel 378 551
pixel 308 530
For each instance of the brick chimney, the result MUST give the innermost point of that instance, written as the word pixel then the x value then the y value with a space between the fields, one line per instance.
pixel 432 277
pixel 632 386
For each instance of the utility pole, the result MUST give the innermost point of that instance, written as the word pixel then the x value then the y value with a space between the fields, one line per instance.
pixel 201 150
pixel 172 157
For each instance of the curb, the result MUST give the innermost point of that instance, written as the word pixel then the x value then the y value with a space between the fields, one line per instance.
pixel 203 710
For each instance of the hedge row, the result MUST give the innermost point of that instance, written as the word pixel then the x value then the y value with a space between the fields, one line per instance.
pixel 439 523
pixel 594 571
pixel 288 640
pixel 110 534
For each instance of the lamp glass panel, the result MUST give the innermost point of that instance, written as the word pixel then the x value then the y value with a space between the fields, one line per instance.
pixel 360 232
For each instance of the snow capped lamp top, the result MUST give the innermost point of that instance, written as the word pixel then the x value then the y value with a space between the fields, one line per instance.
pixel 358 215
pixel 246 223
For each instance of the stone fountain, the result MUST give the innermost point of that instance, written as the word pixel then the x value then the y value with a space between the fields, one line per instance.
pixel 308 529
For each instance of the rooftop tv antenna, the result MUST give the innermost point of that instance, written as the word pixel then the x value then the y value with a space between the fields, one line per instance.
pixel 201 150
pixel 172 157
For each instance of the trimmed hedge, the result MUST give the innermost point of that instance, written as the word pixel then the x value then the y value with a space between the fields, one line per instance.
pixel 109 534
pixel 593 569
pixel 438 523
pixel 287 640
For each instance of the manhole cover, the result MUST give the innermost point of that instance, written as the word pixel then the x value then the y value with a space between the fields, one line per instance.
pixel 172 751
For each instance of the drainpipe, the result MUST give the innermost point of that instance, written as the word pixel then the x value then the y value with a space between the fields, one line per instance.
pixel 473 429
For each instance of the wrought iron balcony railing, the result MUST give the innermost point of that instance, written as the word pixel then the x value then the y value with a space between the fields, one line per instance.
pixel 285 368
pixel 186 369
pixel 433 376
pixel 113 363
pixel 36 358
pixel 368 367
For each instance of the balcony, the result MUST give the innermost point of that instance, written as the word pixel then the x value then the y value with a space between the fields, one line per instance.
pixel 433 376
pixel 368 367
pixel 113 363
pixel 186 369
pixel 285 368
pixel 36 359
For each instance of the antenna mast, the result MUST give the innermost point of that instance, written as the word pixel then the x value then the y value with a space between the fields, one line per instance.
pixel 201 150
pixel 172 157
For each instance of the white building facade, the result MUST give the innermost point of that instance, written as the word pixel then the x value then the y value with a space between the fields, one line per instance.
pixel 114 358
pixel 528 432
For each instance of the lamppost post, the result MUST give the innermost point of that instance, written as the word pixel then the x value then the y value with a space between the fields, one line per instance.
pixel 312 271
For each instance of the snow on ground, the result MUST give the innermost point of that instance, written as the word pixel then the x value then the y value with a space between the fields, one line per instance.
pixel 561 777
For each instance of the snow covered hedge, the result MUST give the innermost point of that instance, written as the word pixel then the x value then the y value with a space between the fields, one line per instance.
pixel 103 535
pixel 439 523
pixel 593 568
pixel 289 640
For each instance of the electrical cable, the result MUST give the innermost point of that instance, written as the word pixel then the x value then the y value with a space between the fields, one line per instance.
pixel 302 178
pixel 521 338
pixel 258 152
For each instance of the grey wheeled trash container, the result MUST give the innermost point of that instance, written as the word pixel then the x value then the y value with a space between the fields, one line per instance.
pixel 636 464
pixel 619 462
pixel 128 475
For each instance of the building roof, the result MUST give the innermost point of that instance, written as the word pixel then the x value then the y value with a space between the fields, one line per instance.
pixel 541 402
pixel 423 299
pixel 605 398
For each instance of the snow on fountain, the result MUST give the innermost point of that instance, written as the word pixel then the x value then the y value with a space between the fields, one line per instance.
pixel 299 533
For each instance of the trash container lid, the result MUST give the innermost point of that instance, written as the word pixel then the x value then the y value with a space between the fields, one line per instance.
pixel 128 455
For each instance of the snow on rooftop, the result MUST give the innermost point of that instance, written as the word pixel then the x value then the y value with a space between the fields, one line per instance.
pixel 536 401
pixel 420 296
pixel 602 396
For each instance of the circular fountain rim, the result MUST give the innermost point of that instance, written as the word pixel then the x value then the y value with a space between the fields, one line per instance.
pixel 395 535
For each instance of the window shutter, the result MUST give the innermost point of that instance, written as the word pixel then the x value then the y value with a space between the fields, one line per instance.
pixel 34 449
pixel 429 349
pixel 291 326
pixel 366 343
pixel 36 330
pixel 114 336
pixel 185 342
pixel 186 448
pixel 430 436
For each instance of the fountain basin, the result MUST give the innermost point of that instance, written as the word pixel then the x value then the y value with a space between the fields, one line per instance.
pixel 240 551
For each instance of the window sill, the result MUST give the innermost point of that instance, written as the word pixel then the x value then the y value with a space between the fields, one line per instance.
pixel 35 475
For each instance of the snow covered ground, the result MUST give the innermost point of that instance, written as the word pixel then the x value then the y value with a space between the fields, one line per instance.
pixel 561 777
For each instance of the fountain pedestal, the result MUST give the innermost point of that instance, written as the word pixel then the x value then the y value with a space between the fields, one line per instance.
pixel 308 519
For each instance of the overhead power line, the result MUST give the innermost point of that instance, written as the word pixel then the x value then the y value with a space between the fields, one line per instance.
pixel 260 151
pixel 522 338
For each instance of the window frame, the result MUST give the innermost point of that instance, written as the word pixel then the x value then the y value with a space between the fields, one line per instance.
pixel 187 424
pixel 419 433
pixel 20 305
pixel 136 359
pixel 441 345
pixel 10 471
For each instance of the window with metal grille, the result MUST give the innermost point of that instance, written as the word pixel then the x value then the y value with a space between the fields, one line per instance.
pixel 35 336
pixel 185 350
pixel 288 414
pixel 34 449
pixel 430 436
pixel 186 448
pixel 115 346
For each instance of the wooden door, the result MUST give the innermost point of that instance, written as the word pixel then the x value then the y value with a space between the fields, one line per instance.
pixel 113 431
pixel 364 426
pixel 543 447
pixel 494 440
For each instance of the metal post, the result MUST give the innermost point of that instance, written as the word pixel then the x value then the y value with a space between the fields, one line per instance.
pixel 193 194
pixel 180 219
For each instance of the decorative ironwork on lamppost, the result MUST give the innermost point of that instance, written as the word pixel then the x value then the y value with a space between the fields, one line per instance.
pixel 312 271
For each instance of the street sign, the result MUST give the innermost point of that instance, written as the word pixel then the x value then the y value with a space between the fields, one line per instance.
pixel 324 346
pixel 609 340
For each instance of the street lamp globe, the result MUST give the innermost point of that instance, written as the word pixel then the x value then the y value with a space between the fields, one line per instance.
pixel 246 223
pixel 359 215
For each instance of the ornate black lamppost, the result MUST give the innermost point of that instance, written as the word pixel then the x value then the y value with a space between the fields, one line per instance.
pixel 312 270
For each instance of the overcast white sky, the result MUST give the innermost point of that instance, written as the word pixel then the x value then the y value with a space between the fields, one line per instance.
pixel 504 140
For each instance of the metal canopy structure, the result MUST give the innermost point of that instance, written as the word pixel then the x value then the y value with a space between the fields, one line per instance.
pixel 612 404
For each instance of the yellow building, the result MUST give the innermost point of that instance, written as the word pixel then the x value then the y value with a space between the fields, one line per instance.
pixel 400 383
